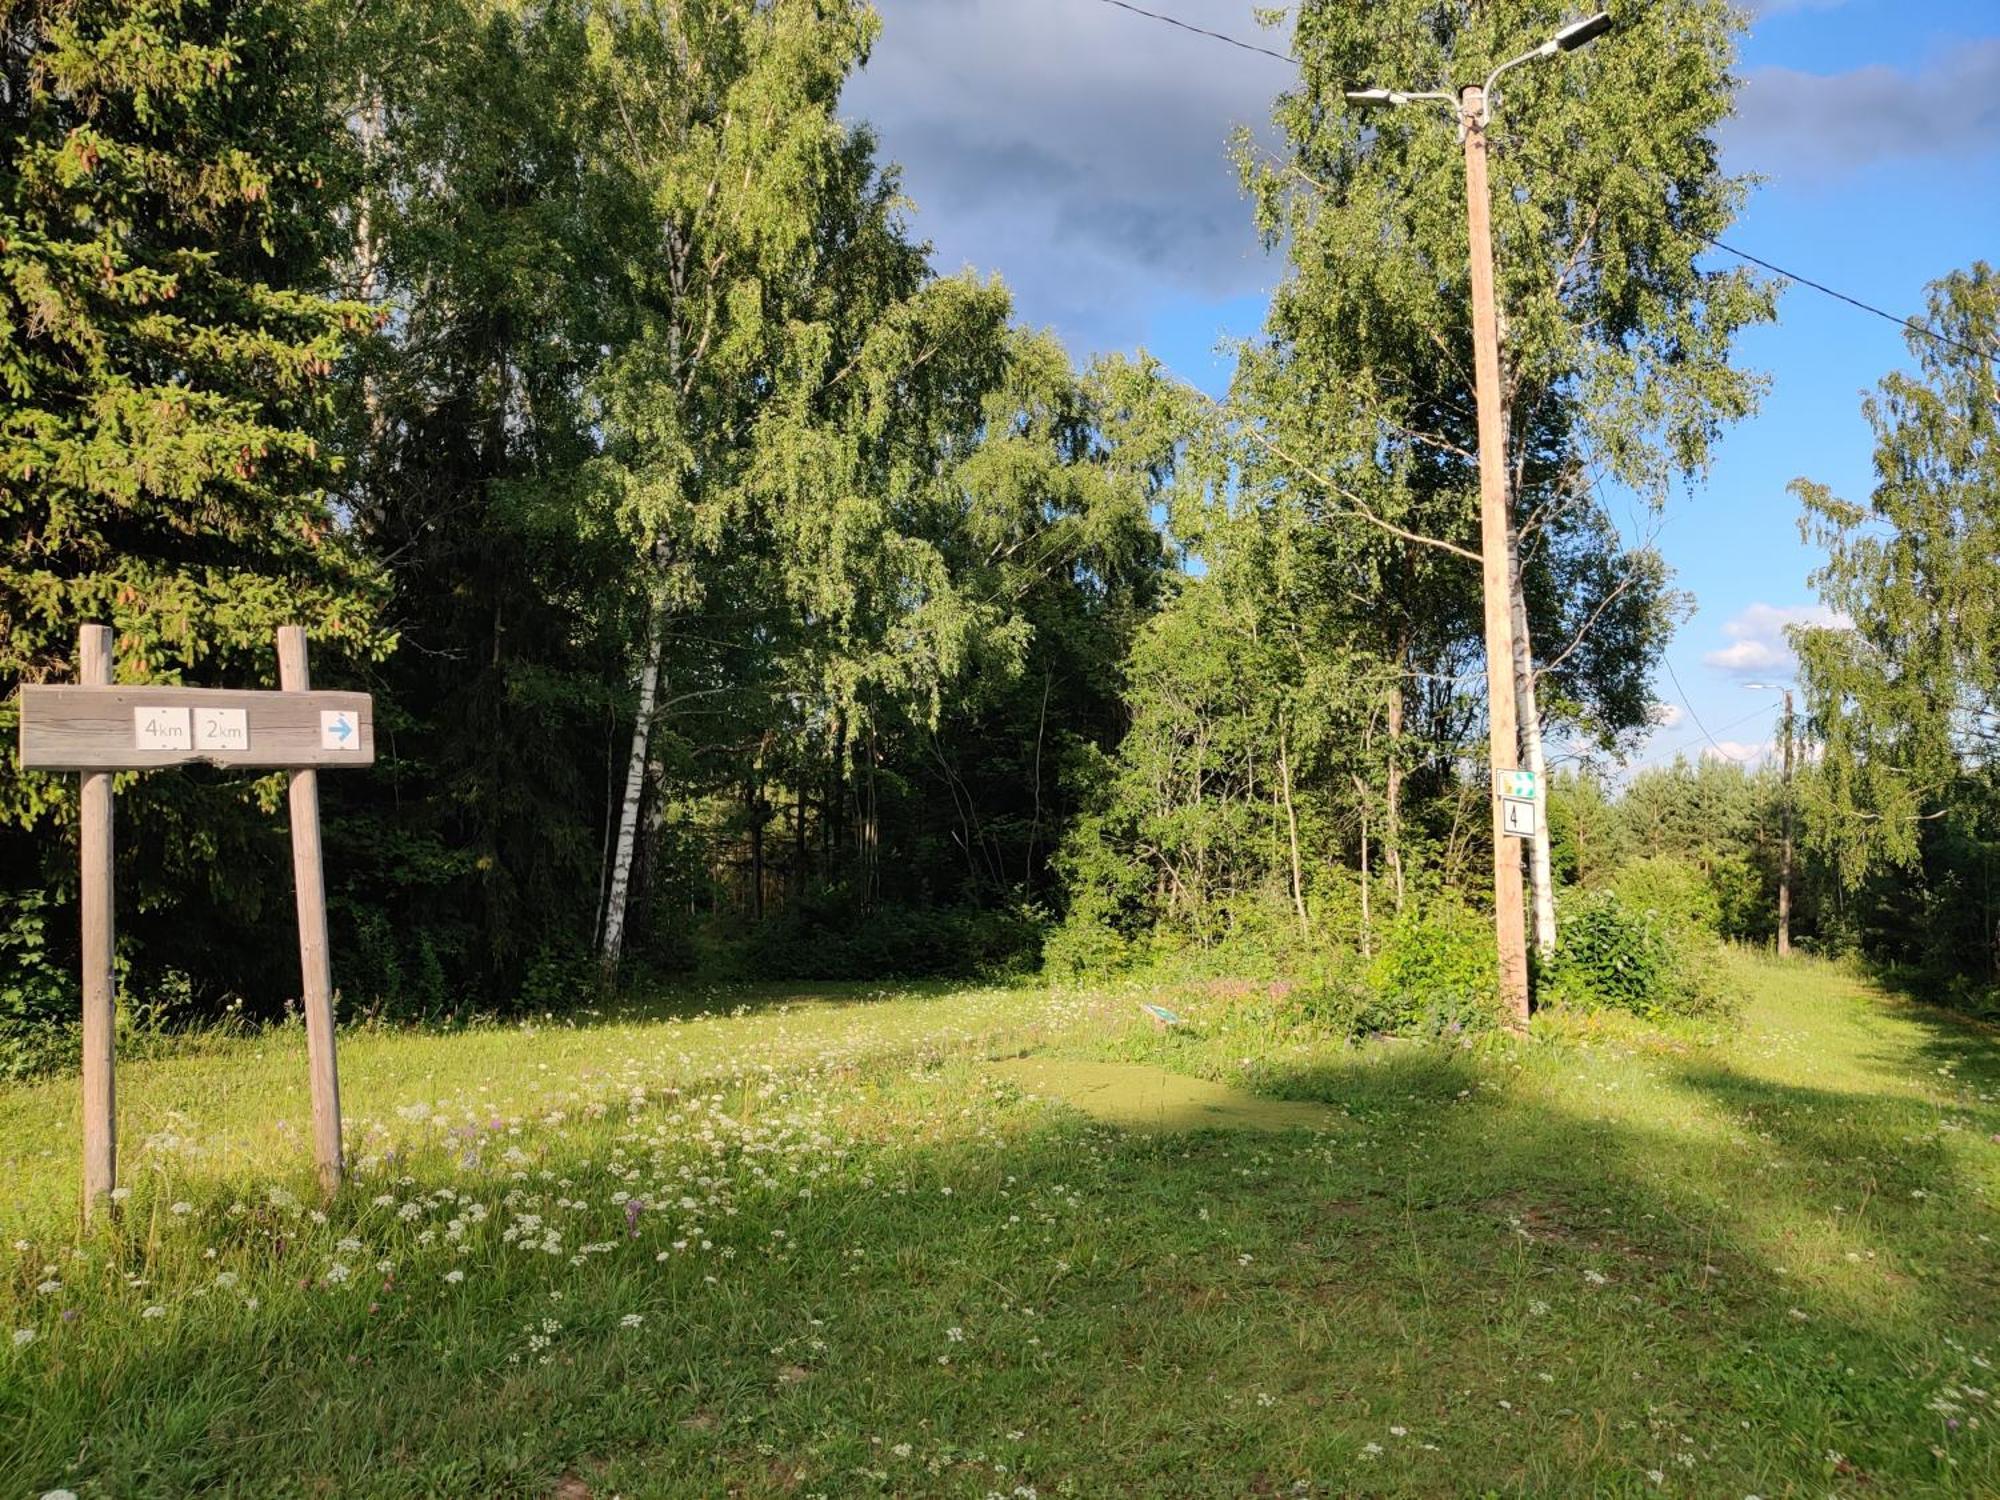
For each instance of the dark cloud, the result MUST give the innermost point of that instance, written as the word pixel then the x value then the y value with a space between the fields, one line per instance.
pixel 1808 128
pixel 1077 149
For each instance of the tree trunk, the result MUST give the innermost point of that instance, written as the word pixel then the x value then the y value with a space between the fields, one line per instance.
pixel 1292 827
pixel 1392 792
pixel 613 939
pixel 1367 922
pixel 870 828
pixel 755 811
pixel 797 884
pixel 1540 882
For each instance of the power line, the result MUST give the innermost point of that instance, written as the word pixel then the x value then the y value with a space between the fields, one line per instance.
pixel 1513 143
pixel 1217 36
pixel 1675 676
pixel 1821 287
pixel 1910 323
pixel 1675 750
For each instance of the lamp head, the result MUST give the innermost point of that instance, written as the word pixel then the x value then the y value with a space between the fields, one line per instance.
pixel 1377 98
pixel 1581 33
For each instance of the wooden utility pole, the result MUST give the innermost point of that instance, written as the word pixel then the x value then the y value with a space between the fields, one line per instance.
pixel 1503 736
pixel 1785 839
pixel 315 963
pixel 100 1000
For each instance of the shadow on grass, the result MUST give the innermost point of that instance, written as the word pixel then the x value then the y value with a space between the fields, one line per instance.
pixel 1027 1301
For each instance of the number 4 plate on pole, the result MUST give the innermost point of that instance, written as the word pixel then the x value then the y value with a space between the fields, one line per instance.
pixel 1517 817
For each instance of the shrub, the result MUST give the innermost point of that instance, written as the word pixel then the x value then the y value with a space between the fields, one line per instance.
pixel 1675 892
pixel 830 935
pixel 39 1004
pixel 1435 971
pixel 1614 954
pixel 1086 945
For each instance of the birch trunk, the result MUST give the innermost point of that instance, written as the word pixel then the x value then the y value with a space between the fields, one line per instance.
pixel 1540 882
pixel 1292 827
pixel 635 783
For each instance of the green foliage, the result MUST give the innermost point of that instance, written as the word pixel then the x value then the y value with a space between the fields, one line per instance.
pixel 751 580
pixel 38 990
pixel 1673 892
pixel 169 362
pixel 1899 804
pixel 1645 950
pixel 1613 953
pixel 1435 973
pixel 831 936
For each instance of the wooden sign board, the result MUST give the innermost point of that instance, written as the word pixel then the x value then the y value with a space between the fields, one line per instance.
pixel 95 728
pixel 65 728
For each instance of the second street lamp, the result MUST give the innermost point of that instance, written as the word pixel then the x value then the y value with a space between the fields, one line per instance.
pixel 1474 106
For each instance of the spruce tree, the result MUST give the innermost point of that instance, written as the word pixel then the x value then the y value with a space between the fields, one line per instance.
pixel 166 361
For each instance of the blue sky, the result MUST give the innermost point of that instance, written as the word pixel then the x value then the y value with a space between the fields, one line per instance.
pixel 1078 151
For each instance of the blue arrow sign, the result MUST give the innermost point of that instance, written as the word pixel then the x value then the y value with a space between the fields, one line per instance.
pixel 338 730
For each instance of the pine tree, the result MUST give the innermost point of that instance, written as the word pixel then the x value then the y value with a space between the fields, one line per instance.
pixel 167 355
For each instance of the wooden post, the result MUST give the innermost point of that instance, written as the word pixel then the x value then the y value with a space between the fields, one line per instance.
pixel 100 1000
pixel 315 966
pixel 1785 847
pixel 1504 744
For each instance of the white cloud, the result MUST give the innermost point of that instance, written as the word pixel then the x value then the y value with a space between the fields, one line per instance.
pixel 1743 752
pixel 1796 126
pixel 1078 150
pixel 1667 715
pixel 1757 644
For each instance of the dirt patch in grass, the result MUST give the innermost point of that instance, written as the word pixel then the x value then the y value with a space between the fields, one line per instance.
pixel 1537 1220
pixel 1137 1096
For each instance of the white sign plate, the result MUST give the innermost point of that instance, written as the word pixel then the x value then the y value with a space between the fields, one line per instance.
pixel 339 730
pixel 1517 817
pixel 221 729
pixel 159 728
pixel 1519 784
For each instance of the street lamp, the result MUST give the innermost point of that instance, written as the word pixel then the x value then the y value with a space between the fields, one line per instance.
pixel 1784 820
pixel 1473 104
pixel 1573 36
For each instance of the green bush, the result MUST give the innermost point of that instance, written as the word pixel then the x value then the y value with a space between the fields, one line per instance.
pixel 1675 892
pixel 830 935
pixel 1435 973
pixel 1614 954
pixel 1085 945
pixel 39 1005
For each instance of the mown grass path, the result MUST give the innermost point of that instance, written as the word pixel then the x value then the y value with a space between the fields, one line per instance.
pixel 818 1247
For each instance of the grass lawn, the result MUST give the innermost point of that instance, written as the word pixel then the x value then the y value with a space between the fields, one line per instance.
pixel 813 1242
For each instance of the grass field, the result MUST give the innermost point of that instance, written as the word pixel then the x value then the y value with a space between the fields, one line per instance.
pixel 815 1243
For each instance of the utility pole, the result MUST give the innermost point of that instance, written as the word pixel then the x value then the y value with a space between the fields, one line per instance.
pixel 1785 840
pixel 1497 587
pixel 1473 106
pixel 1787 728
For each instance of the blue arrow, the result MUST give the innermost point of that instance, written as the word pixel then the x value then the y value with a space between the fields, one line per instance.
pixel 342 729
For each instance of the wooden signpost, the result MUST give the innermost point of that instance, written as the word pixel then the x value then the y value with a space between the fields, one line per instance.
pixel 97 729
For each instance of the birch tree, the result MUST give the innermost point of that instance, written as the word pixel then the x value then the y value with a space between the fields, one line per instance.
pixel 719 126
